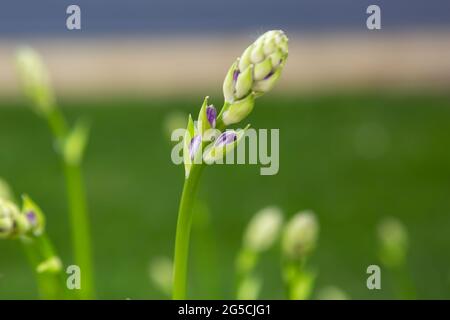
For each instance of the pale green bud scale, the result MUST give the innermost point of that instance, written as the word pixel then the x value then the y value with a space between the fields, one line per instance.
pixel 263 69
pixel 244 83
pixel 203 124
pixel 226 142
pixel 233 113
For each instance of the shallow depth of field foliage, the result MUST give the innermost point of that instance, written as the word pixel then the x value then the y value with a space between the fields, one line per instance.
pixel 352 158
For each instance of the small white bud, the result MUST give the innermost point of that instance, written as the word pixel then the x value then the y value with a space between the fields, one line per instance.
pixel 254 73
pixel 393 239
pixel 35 80
pixel 8 218
pixel 264 229
pixel 300 235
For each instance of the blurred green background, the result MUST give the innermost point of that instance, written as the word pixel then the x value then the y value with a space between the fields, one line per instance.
pixel 352 157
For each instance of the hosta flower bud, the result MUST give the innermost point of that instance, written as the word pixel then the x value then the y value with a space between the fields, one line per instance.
pixel 263 230
pixel 190 145
pixel 206 118
pixel 393 239
pixel 226 142
pixel 35 80
pixel 253 74
pixel 300 235
pixel 9 214
pixel 34 216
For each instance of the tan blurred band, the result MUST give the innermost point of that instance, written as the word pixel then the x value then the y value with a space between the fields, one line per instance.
pixel 197 65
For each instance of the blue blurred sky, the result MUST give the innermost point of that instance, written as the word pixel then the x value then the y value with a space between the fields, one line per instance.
pixel 47 17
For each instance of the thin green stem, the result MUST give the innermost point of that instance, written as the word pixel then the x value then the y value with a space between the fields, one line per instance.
pixel 203 241
pixel 299 281
pixel 183 232
pixel 404 285
pixel 184 223
pixel 50 284
pixel 81 240
pixel 245 270
pixel 58 125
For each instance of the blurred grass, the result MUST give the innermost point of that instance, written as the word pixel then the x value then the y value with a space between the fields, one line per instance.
pixel 352 158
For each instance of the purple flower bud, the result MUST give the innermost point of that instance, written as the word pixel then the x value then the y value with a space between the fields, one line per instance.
pixel 211 115
pixel 31 216
pixel 194 145
pixel 269 75
pixel 236 74
pixel 225 138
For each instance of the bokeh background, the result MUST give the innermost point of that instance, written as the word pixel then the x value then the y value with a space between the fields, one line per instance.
pixel 364 119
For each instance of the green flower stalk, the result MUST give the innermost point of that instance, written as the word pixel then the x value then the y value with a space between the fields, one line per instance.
pixel 393 250
pixel 12 222
pixel 253 74
pixel 298 242
pixel 204 240
pixel 300 236
pixel 70 145
pixel 393 242
pixel 28 226
pixel 261 234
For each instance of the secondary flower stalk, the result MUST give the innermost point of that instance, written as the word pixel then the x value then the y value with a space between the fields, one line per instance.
pixel 393 242
pixel 28 226
pixel 298 243
pixel 70 145
pixel 261 234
